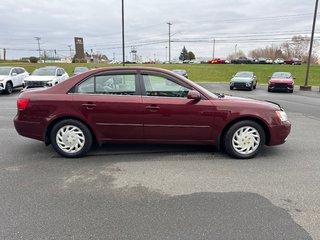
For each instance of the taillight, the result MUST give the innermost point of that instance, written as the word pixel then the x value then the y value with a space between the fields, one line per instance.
pixel 22 103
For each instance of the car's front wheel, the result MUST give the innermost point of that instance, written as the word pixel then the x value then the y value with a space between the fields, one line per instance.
pixel 244 139
pixel 9 88
pixel 71 138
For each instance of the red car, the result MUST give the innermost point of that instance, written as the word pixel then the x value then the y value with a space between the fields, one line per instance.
pixel 293 61
pixel 146 105
pixel 217 61
pixel 281 81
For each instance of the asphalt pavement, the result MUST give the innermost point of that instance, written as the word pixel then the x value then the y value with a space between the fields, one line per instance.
pixel 164 192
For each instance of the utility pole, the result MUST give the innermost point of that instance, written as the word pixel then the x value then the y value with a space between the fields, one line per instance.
pixel 213 47
pixel 123 49
pixel 305 86
pixel 70 49
pixel 169 23
pixel 4 54
pixel 235 50
pixel 38 39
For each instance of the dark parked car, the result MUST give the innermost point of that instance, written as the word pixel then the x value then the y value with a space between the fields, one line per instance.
pixel 242 60
pixel 293 61
pixel 146 105
pixel 79 70
pixel 181 72
pixel 281 81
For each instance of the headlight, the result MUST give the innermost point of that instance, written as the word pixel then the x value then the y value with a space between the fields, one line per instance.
pixel 282 115
pixel 231 83
pixel 248 84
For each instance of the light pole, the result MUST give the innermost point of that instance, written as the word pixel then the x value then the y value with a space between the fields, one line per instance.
pixel 166 54
pixel 38 39
pixel 305 87
pixel 169 23
pixel 70 49
pixel 123 49
pixel 235 50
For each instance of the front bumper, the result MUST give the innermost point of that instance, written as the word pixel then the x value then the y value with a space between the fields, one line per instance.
pixel 279 133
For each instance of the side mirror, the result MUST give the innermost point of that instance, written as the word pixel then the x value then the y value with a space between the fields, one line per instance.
pixel 192 94
pixel 14 74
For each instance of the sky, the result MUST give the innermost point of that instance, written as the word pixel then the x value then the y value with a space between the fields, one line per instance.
pixel 233 25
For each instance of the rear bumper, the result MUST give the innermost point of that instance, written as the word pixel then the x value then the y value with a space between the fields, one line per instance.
pixel 29 129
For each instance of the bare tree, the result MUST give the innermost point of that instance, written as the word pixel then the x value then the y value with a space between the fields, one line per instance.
pixel 236 55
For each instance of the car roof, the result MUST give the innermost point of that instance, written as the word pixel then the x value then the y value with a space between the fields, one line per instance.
pixel 50 67
pixel 245 72
pixel 282 73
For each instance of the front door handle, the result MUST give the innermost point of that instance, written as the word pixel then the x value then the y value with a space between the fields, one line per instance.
pixel 153 107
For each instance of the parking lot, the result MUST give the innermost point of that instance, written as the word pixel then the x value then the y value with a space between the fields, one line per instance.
pixel 164 192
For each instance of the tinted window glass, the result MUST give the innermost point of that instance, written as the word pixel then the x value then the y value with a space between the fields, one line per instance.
pixel 109 84
pixel 19 70
pixel 14 71
pixel 116 84
pixel 86 86
pixel 163 87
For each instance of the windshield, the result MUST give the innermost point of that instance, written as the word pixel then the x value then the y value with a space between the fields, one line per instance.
pixel 243 74
pixel 44 72
pixel 5 70
pixel 281 75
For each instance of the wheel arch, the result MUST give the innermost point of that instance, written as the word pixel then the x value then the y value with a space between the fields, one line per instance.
pixel 257 120
pixel 55 121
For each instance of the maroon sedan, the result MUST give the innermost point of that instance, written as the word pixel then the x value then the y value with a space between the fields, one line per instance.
pixel 293 61
pixel 146 105
pixel 281 81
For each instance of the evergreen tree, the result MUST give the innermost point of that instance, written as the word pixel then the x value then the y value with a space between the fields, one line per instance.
pixel 184 54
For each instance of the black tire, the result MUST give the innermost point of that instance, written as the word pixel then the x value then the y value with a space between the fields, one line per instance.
pixel 255 86
pixel 9 88
pixel 236 145
pixel 269 90
pixel 231 88
pixel 78 136
pixel 251 87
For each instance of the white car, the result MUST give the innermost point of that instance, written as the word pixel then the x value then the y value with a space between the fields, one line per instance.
pixel 12 77
pixel 269 61
pixel 46 77
pixel 279 61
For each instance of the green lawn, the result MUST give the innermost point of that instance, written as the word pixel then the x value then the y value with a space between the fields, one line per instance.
pixel 204 72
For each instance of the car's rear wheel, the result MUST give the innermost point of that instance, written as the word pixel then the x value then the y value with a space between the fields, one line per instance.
pixel 9 88
pixel 71 138
pixel 244 139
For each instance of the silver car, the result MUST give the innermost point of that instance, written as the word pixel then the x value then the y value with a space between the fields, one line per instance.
pixel 244 80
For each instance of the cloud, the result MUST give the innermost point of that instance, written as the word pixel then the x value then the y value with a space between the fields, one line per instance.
pixel 99 22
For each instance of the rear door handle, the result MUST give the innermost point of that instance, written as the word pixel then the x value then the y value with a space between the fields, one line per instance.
pixel 89 105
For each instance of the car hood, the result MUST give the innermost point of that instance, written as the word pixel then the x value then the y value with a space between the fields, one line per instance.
pixel 40 78
pixel 241 79
pixel 261 103
pixel 281 80
pixel 2 77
